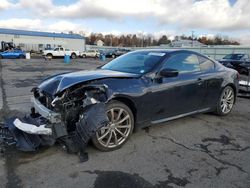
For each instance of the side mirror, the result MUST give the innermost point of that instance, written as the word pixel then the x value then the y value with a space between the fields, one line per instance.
pixel 168 73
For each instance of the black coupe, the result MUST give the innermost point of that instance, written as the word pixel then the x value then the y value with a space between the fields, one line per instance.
pixel 138 89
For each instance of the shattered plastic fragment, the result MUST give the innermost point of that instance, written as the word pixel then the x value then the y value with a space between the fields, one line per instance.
pixel 32 129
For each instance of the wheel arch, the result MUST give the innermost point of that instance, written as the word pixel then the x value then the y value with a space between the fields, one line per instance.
pixel 49 54
pixel 127 102
pixel 21 56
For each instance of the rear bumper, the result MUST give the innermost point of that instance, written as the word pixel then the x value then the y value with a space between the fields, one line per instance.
pixel 244 90
pixel 53 117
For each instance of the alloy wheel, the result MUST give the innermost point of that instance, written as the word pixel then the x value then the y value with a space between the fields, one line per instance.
pixel 227 100
pixel 118 129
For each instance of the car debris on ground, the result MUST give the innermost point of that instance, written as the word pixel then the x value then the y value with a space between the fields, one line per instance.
pixel 32 132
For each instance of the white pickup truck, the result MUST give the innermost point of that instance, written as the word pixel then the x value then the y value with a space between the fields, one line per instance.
pixel 60 52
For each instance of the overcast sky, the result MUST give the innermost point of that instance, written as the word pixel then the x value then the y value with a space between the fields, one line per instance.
pixel 171 17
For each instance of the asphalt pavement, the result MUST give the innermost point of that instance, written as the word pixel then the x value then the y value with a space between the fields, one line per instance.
pixel 199 151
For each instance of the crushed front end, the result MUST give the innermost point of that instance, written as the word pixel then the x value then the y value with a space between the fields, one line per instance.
pixel 70 118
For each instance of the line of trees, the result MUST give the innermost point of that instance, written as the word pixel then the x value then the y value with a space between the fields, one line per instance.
pixel 133 40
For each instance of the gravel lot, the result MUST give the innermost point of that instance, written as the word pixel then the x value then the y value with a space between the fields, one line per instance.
pixel 198 151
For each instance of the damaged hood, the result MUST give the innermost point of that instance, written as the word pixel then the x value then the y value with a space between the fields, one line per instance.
pixel 60 82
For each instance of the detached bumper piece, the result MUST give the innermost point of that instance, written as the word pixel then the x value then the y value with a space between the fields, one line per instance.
pixel 11 135
pixel 31 133
pixel 32 129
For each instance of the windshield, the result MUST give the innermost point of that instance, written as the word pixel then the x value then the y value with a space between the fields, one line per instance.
pixel 234 56
pixel 136 62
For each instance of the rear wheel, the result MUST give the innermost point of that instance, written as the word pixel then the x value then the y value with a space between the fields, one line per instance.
pixel 226 101
pixel 73 56
pixel 120 127
pixel 113 55
pixel 1 57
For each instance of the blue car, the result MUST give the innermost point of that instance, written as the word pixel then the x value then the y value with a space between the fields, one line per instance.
pixel 12 54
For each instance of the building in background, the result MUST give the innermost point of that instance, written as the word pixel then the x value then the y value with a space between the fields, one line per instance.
pixel 186 43
pixel 38 41
pixel 99 43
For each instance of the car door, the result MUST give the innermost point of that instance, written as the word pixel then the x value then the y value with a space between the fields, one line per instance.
pixel 16 54
pixel 178 95
pixel 62 52
pixel 56 52
pixel 212 79
pixel 92 53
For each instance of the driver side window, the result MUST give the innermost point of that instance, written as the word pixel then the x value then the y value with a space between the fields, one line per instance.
pixel 183 62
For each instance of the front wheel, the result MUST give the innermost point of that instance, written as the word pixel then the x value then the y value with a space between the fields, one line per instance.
pixel 120 127
pixel 49 56
pixel 226 101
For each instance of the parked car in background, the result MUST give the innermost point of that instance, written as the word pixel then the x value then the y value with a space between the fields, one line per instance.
pixel 244 82
pixel 240 63
pixel 12 54
pixel 127 91
pixel 110 53
pixel 120 52
pixel 234 59
pixel 61 52
pixel 90 53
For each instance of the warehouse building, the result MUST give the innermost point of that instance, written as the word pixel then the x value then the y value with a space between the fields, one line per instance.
pixel 38 41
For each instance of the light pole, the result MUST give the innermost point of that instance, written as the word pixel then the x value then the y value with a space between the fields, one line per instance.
pixel 192 38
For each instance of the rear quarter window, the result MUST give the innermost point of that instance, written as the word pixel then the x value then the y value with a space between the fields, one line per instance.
pixel 206 64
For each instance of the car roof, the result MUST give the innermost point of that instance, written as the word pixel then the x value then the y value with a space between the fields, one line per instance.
pixel 165 50
pixel 168 51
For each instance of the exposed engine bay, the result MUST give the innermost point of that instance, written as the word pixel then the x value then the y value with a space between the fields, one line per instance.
pixel 70 118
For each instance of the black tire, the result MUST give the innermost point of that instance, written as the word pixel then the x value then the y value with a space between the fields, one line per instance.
pixel 113 56
pixel 49 56
pixel 115 105
pixel 225 104
pixel 84 56
pixel 73 56
pixel 1 57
